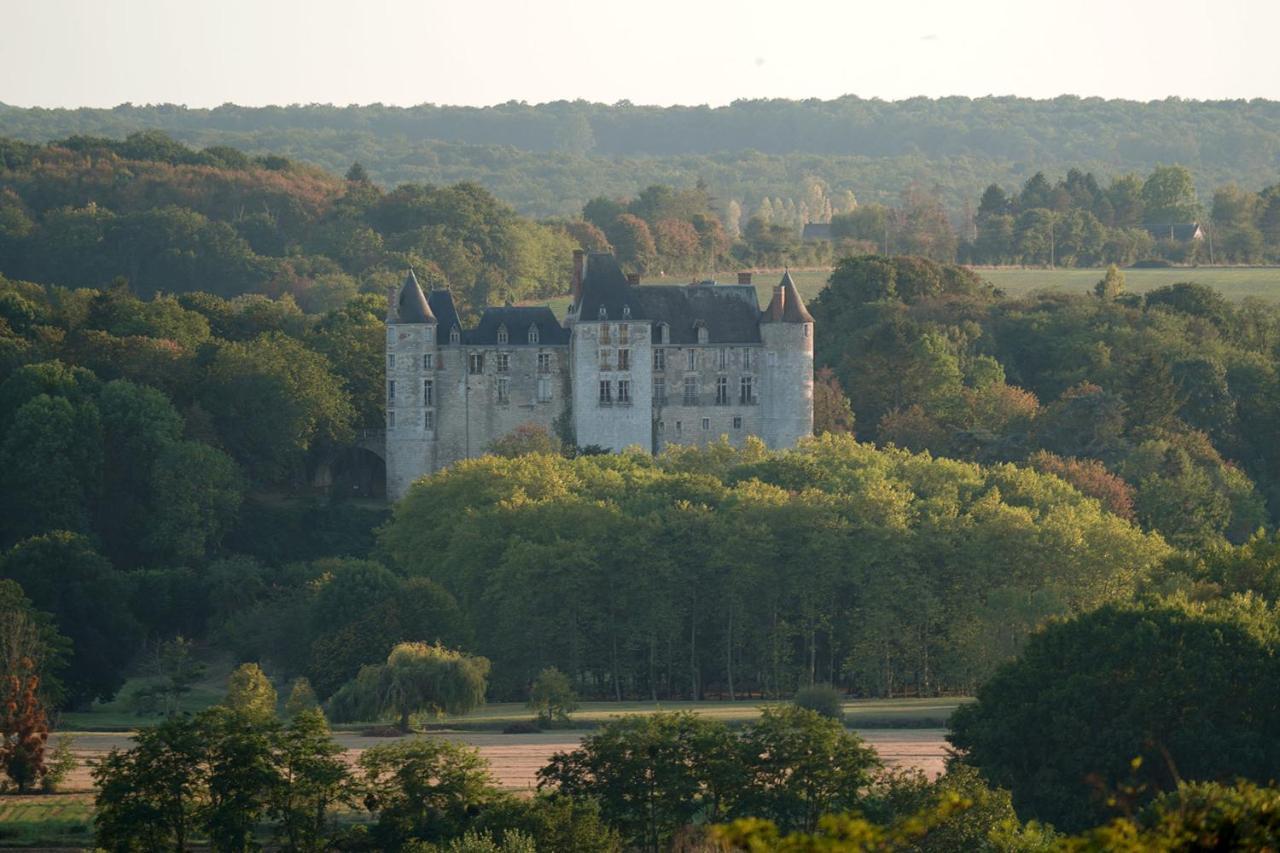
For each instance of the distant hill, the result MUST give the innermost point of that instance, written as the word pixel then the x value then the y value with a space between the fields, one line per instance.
pixel 550 158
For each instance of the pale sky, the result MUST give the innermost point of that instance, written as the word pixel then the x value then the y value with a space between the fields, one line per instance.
pixel 68 53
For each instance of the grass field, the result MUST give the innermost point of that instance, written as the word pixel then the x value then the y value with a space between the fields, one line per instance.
pixel 1233 282
pixel 54 820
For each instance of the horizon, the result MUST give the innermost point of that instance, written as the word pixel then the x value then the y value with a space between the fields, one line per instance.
pixel 402 53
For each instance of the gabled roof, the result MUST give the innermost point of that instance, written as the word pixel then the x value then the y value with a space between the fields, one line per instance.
pixel 517 321
pixel 786 305
pixel 412 304
pixel 605 286
pixel 1181 231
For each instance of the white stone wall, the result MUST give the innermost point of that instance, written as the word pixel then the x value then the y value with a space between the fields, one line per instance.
pixel 410 445
pixel 616 425
pixel 678 423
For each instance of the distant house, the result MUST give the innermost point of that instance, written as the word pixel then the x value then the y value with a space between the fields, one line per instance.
pixel 816 232
pixel 1179 232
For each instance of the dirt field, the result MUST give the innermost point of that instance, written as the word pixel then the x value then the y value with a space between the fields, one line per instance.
pixel 516 758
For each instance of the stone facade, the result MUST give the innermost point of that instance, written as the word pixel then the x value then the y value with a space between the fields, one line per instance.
pixel 631 366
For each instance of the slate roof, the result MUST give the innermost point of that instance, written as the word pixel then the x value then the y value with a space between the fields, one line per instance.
pixel 730 312
pixel 441 304
pixel 786 306
pixel 412 304
pixel 518 320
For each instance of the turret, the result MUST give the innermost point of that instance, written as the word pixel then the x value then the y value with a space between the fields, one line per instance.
pixel 410 388
pixel 786 331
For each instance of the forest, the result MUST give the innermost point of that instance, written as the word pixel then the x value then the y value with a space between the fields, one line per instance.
pixel 550 159
pixel 1026 500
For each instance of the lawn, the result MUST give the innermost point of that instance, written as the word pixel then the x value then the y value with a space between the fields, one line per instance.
pixel 1233 282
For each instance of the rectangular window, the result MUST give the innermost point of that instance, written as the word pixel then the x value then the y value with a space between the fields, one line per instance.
pixel 391 391
pixel 624 359
pixel 773 359
pixel 737 422
pixel 679 427
pixel 662 427
pixel 544 389
pixel 693 360
pixel 544 362
pixel 391 420
pixel 722 390
pixel 503 385
pixel 659 359
pixel 391 361
pixel 428 361
pixel 606 359
pixel 604 333
pixel 624 334
pixel 429 334
pixel 624 390
pixel 746 391
pixel 429 419
pixel 504 362
pixel 477 362
pixel 606 392
pixel 660 391
pixel 690 390
pixel 706 424
pixel 428 392
pixel 722 359
pixel 746 358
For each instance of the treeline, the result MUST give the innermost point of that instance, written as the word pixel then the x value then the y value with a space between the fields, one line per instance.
pixel 549 159
pixel 1164 406
pixel 747 572
pixel 167 218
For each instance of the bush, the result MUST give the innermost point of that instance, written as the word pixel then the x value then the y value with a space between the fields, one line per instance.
pixel 552 697
pixel 521 728
pixel 58 765
pixel 821 698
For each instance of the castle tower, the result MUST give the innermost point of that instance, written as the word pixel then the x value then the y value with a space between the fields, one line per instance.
pixel 786 399
pixel 411 390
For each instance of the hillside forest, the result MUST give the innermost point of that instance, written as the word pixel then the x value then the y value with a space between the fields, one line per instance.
pixel 1000 487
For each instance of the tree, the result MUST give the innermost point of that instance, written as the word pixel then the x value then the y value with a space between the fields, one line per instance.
pixel 195 497
pixel 313 779
pixel 66 577
pixel 176 672
pixel 250 693
pixel 1189 696
pixel 24 726
pixel 832 411
pixel 417 678
pixel 301 698
pixel 241 776
pixel 50 466
pixel 357 174
pixel 551 697
pixel 423 789
pixel 633 242
pixel 30 635
pixel 1111 285
pixel 800 765
pixel 527 438
pixel 1195 816
pixel 1169 196
pixel 151 796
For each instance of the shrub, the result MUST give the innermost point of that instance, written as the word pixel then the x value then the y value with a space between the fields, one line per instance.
pixel 552 697
pixel 521 727
pixel 59 765
pixel 821 698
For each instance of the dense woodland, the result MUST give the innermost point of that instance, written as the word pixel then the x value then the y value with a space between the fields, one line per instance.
pixel 550 159
pixel 1002 488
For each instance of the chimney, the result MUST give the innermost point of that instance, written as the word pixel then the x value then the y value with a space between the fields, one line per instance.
pixel 744 278
pixel 579 268
pixel 633 278
pixel 393 307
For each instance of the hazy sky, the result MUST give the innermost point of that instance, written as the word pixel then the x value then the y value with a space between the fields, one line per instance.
pixel 70 53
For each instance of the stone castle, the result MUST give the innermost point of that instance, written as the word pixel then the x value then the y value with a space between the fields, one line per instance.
pixel 632 364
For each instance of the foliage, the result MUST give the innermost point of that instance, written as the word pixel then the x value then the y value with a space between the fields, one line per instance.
pixel 175 671
pixel 1185 695
pixel 24 727
pixel 526 438
pixel 552 697
pixel 417 678
pixel 823 699
pixel 250 693
pixel 59 764
pixel 301 698
pixel 30 635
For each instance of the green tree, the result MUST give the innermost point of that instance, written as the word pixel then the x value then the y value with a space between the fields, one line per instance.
pixel 31 635
pixel 1187 695
pixel 301 698
pixel 1169 196
pixel 417 678
pixel 175 671
pixel 552 697
pixel 51 464
pixel 250 693
pixel 1111 285
pixel 313 780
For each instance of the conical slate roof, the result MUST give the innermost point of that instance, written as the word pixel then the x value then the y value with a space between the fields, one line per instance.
pixel 412 302
pixel 786 305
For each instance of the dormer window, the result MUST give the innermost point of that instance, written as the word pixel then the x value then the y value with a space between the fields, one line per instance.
pixel 664 333
pixel 702 333
pixel 533 334
pixel 626 310
pixel 455 335
pixel 604 315
pixel 502 334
